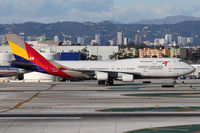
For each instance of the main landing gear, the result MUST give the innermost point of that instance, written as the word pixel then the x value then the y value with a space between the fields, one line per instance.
pixel 101 82
pixel 108 82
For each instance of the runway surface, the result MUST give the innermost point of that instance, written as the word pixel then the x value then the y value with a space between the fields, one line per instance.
pixel 77 107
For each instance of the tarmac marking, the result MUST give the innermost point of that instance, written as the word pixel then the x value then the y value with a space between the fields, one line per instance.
pixel 166 129
pixel 180 128
pixel 27 100
pixel 157 129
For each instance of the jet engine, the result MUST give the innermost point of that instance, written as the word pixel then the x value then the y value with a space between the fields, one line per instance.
pixel 102 76
pixel 127 77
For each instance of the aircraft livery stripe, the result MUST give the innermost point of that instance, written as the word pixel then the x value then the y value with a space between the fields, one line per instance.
pixel 22 60
pixel 26 54
pixel 8 72
pixel 35 57
pixel 17 50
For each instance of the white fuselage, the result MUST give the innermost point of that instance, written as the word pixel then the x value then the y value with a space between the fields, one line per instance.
pixel 144 67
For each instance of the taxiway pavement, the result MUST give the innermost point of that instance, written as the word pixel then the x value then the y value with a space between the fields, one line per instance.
pixel 74 107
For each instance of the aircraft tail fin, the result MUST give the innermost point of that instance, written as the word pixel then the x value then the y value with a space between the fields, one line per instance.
pixel 24 53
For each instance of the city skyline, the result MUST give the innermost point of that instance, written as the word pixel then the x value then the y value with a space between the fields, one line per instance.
pixel 127 11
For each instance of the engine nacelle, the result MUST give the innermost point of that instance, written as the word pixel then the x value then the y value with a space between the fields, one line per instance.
pixel 127 77
pixel 102 76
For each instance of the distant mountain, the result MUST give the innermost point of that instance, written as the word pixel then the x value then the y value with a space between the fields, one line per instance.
pixel 108 30
pixel 169 20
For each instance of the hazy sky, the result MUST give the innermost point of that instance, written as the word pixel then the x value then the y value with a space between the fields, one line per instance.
pixel 125 11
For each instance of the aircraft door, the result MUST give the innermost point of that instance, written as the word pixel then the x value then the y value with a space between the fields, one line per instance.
pixel 170 69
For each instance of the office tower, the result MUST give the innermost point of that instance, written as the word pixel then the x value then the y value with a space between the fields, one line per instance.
pixel 80 40
pixel 184 40
pixel 190 40
pixel 68 42
pixel 138 39
pixel 156 41
pixel 111 42
pixel 125 41
pixel 98 39
pixel 180 42
pixel 159 41
pixel 168 38
pixel 119 38
pixel 162 41
pixel 55 39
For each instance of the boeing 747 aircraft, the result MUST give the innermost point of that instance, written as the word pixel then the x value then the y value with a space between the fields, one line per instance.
pixel 104 71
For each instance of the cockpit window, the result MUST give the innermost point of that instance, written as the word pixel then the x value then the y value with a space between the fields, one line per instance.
pixel 181 61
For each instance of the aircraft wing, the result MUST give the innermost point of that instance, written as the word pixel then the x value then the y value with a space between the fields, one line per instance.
pixel 85 71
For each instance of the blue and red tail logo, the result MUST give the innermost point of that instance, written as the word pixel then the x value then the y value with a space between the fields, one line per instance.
pixel 26 54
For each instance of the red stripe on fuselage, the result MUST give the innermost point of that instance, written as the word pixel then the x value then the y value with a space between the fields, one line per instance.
pixel 8 72
pixel 35 57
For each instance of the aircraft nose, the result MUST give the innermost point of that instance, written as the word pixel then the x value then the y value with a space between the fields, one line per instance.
pixel 193 69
